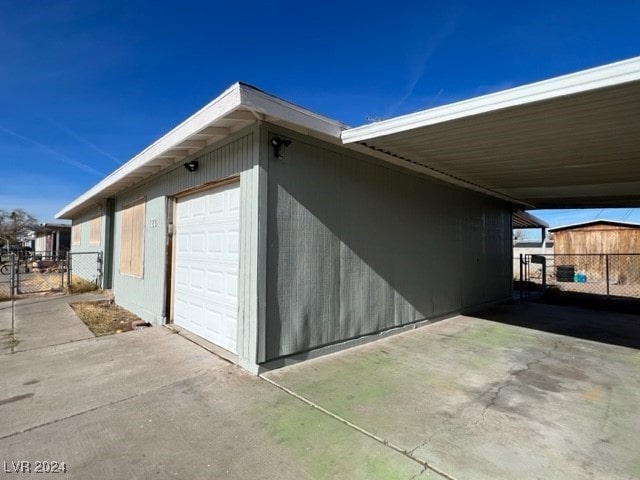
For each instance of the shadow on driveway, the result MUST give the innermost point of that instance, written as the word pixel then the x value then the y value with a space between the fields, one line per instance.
pixel 565 316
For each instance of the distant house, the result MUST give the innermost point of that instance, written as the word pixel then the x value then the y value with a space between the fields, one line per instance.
pixel 583 246
pixel 597 236
pixel 50 239
pixel 540 247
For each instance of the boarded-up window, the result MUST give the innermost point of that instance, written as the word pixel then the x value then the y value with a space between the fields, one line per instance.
pixel 76 233
pixel 132 239
pixel 95 230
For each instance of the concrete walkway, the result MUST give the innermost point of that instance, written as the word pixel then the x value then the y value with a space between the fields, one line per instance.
pixel 150 403
pixel 42 321
pixel 465 398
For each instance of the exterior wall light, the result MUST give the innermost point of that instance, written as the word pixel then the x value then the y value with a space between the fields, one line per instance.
pixel 191 166
pixel 277 143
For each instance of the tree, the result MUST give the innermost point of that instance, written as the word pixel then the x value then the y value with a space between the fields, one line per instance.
pixel 518 235
pixel 14 225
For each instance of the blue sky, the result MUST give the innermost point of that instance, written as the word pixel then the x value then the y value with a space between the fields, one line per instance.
pixel 85 85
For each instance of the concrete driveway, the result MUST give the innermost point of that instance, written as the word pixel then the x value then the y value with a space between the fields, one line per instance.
pixel 152 404
pixel 462 398
pixel 481 398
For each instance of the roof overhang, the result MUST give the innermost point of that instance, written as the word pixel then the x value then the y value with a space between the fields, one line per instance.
pixel 237 107
pixel 572 141
pixel 522 219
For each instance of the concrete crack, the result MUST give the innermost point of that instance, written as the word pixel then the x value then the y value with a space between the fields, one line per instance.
pixel 495 395
pixel 435 433
pixel 373 436
pixel 419 474
pixel 78 414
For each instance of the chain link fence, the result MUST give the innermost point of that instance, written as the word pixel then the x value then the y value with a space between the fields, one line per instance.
pixel 609 274
pixel 7 279
pixel 38 272
pixel 84 271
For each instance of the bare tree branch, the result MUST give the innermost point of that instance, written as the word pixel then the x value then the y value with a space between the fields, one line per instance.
pixel 15 224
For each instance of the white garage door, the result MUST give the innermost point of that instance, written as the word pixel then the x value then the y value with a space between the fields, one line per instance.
pixel 207 257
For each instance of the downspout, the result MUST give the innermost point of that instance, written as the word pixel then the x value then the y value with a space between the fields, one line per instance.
pixel 109 233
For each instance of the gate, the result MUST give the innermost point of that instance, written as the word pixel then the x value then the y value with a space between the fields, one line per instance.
pixel 38 272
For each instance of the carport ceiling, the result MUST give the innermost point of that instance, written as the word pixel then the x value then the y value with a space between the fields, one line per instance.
pixel 572 141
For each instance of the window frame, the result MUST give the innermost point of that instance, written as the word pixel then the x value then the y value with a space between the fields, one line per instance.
pixel 132 222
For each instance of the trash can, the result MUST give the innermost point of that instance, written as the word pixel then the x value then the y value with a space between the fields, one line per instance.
pixel 565 273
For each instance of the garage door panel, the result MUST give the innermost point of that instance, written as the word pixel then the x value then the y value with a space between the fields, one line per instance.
pixel 234 201
pixel 233 243
pixel 182 243
pixel 207 264
pixel 196 275
pixel 232 286
pixel 215 282
pixel 215 243
pixel 182 277
pixel 215 206
pixel 198 207
pixel 197 243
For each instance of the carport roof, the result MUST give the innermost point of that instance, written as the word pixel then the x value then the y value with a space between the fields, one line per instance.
pixel 572 141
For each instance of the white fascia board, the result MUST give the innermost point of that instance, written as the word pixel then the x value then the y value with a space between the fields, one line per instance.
pixel 227 102
pixel 583 81
pixel 237 96
pixel 260 102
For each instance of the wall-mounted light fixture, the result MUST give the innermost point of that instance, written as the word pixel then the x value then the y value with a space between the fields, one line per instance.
pixel 277 144
pixel 191 166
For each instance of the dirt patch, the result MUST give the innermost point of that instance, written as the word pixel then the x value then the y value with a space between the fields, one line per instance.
pixel 104 317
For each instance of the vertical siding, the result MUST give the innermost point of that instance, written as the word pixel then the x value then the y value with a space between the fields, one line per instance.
pixel 601 238
pixel 146 296
pixel 83 220
pixel 356 247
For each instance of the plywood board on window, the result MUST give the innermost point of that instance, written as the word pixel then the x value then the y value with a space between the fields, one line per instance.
pixel 132 239
pixel 137 240
pixel 95 231
pixel 76 234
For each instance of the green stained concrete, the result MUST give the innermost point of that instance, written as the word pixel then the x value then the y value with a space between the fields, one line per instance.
pixel 483 399
pixel 634 359
pixel 326 448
